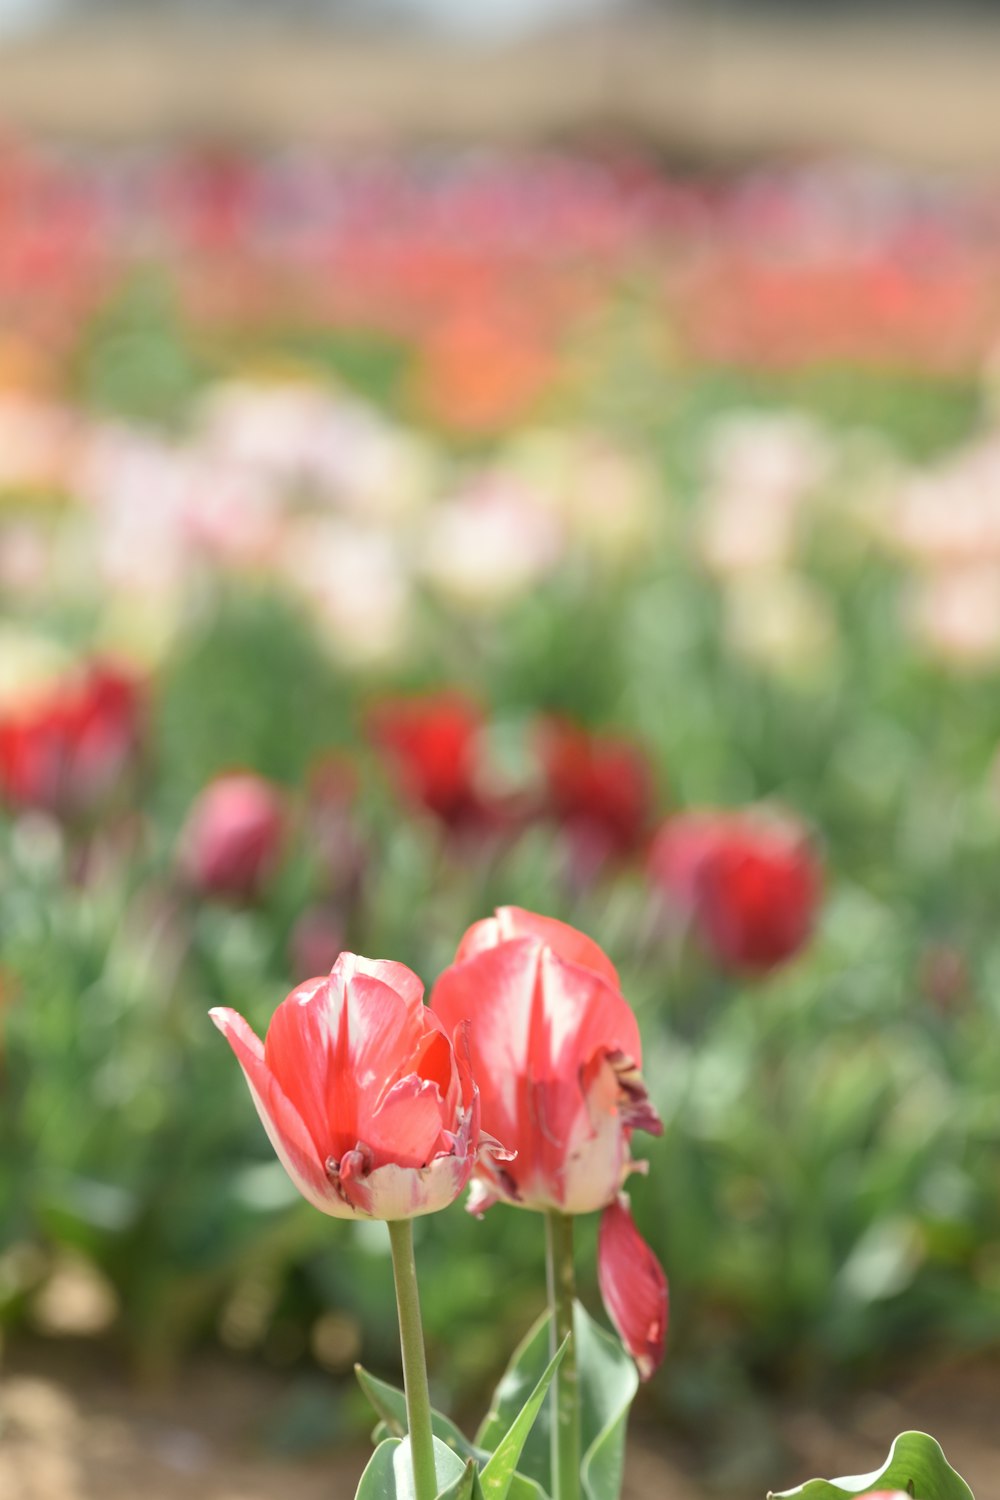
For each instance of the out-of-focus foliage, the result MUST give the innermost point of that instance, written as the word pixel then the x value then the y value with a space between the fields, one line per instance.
pixel 496 511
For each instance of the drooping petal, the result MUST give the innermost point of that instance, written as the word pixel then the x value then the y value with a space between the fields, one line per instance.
pixel 633 1287
pixel 286 1130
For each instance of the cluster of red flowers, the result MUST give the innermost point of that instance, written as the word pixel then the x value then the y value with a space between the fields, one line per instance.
pixel 747 881
pixel 486 266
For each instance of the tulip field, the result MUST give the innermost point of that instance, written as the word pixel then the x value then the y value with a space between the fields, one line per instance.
pixel 398 552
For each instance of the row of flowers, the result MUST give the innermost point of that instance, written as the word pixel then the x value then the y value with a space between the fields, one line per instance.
pixel 508 254
pixel 364 520
pixel 748 880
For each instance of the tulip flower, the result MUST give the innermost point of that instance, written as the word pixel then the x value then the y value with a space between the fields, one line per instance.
pixel 598 787
pixel 366 1096
pixel 556 1050
pixel 232 839
pixel 65 751
pixel 430 748
pixel 749 881
pixel 370 1105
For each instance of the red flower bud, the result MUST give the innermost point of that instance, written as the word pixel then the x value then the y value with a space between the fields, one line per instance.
pixel 598 787
pixel 232 839
pixel 66 751
pixel 750 882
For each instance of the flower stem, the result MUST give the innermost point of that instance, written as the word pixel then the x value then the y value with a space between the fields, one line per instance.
pixel 565 1386
pixel 411 1342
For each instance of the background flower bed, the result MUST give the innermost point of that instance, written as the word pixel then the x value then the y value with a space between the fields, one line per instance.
pixel 579 479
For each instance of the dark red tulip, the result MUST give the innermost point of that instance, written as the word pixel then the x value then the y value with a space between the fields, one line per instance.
pixel 598 786
pixel 430 746
pixel 749 880
pixel 66 751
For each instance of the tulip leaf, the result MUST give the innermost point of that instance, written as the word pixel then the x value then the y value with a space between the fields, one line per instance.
pixel 608 1383
pixel 378 1482
pixel 465 1487
pixel 916 1466
pixel 390 1404
pixel 498 1475
pixel 447 1466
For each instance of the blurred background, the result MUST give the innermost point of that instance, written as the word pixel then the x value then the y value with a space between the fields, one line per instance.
pixel 520 453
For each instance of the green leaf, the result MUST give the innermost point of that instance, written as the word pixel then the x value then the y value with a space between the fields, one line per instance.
pixel 466 1486
pixel 916 1466
pixel 390 1404
pixel 498 1475
pixel 608 1382
pixel 378 1482
pixel 447 1466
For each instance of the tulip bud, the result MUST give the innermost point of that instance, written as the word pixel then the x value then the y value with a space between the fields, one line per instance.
pixel 232 839
pixel 750 882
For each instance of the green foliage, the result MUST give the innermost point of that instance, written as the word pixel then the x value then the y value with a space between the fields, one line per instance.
pixel 608 1383
pixel 916 1466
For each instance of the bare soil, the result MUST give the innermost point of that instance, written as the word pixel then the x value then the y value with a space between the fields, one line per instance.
pixel 73 1429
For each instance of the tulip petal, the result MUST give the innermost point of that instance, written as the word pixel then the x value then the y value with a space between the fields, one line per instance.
pixel 633 1287
pixel 333 1055
pixel 396 1192
pixel 407 985
pixel 285 1128
pixel 514 922
pixel 406 1128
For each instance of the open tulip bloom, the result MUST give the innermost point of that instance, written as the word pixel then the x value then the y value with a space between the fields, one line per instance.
pixel 367 1099
pixel 370 1105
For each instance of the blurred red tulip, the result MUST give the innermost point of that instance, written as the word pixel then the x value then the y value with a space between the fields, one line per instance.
pixel 367 1101
pixel 633 1286
pixel 750 881
pixel 233 836
pixel 599 787
pixel 430 746
pixel 66 752
pixel 556 1050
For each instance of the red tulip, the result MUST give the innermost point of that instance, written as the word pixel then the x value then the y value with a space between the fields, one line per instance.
pixel 66 752
pixel 557 1053
pixel 233 836
pixel 429 745
pixel 750 881
pixel 633 1286
pixel 599 787
pixel 367 1099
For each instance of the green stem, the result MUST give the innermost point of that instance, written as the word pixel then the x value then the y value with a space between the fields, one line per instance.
pixel 566 1386
pixel 411 1342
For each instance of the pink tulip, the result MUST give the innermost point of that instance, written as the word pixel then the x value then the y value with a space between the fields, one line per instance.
pixel 232 839
pixel 556 1050
pixel 367 1099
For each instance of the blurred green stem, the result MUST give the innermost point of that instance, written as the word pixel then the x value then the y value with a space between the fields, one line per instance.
pixel 411 1342
pixel 566 1385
